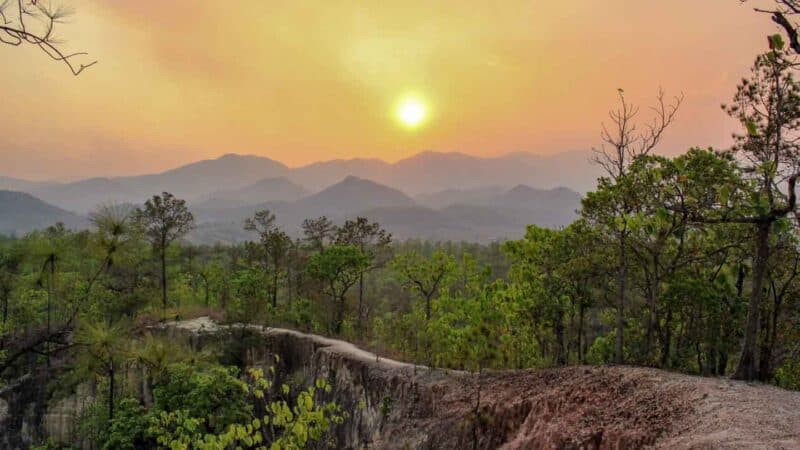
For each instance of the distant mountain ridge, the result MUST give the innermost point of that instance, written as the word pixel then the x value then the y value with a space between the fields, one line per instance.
pixel 266 190
pixel 423 173
pixel 21 213
pixel 496 214
pixel 453 196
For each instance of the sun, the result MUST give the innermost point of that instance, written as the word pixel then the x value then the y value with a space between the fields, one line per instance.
pixel 411 111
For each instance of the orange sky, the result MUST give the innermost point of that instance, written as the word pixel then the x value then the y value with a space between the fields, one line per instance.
pixel 302 80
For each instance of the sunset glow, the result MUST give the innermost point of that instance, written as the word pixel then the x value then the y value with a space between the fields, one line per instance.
pixel 411 112
pixel 300 82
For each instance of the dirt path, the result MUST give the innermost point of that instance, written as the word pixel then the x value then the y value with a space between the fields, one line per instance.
pixel 574 407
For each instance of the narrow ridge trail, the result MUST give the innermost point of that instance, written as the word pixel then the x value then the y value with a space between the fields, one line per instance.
pixel 578 407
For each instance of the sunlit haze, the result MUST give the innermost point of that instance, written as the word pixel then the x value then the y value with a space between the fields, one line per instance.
pixel 178 81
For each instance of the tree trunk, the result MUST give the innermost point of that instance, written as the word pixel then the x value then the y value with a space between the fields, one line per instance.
pixel 205 280
pixel 747 370
pixel 428 307
pixel 111 392
pixel 581 334
pixel 5 307
pixel 359 323
pixel 666 347
pixel 619 357
pixel 5 318
pixel 560 359
pixel 339 315
pixel 163 254
pixel 50 294
pixel 770 336
pixel 652 297
pixel 275 286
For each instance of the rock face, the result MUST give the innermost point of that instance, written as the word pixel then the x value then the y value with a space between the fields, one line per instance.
pixel 394 405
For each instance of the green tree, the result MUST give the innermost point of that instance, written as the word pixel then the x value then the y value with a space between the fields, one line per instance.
pixel 623 142
pixel 164 219
pixel 373 241
pixel 425 276
pixel 339 268
pixel 104 349
pixel 275 244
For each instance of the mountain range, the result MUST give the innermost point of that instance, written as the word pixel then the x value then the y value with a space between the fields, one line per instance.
pixel 21 213
pixel 429 195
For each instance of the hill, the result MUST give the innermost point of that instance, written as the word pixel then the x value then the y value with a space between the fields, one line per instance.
pixel 495 214
pixel 617 407
pixel 419 175
pixel 18 184
pixel 193 181
pixel 447 197
pixel 429 172
pixel 86 195
pixel 21 213
pixel 267 190
pixel 350 196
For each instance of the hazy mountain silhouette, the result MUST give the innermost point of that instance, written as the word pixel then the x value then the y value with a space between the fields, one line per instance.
pixel 266 190
pixel 428 172
pixel 85 195
pixel 351 195
pixel 317 176
pixel 457 196
pixel 197 180
pixel 474 196
pixel 494 214
pixel 21 213
pixel 18 184
pixel 192 182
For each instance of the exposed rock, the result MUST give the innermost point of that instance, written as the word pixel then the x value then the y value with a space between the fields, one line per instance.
pixel 395 405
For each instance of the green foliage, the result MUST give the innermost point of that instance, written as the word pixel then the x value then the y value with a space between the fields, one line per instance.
pixel 214 395
pixel 129 429
pixel 788 375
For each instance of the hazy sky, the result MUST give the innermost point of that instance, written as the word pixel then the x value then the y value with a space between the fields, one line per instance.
pixel 301 80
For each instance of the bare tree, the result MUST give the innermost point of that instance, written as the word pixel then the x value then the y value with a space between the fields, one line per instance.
pixel 33 22
pixel 623 141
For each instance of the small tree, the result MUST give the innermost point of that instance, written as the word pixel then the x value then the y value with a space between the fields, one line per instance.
pixel 163 220
pixel 373 241
pixel 105 349
pixel 338 268
pixel 275 246
pixel 425 276
pixel 318 232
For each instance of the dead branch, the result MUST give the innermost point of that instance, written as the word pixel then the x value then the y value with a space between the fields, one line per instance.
pixel 16 29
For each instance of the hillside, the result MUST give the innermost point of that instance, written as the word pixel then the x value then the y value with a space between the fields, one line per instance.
pixel 21 213
pixel 18 184
pixel 279 189
pixel 572 407
pixel 192 182
pixel 352 195
pixel 447 197
pixel 493 214
pixel 86 195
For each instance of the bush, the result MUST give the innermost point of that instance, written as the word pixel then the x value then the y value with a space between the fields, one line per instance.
pixel 788 375
pixel 129 427
pixel 214 394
